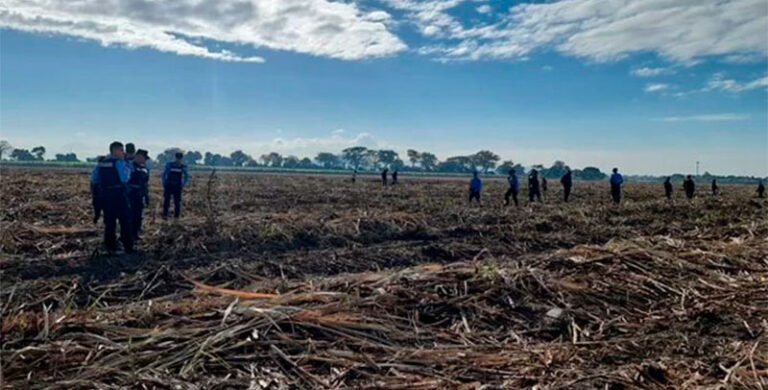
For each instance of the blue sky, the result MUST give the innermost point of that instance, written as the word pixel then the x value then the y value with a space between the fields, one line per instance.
pixel 649 86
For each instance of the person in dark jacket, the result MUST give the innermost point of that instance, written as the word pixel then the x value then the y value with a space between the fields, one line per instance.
pixel 715 188
pixel 394 177
pixel 689 186
pixel 616 181
pixel 175 178
pixel 111 176
pixel 567 182
pixel 138 190
pixel 668 188
pixel 760 189
pixel 543 186
pixel 534 190
pixel 384 176
pixel 514 188
pixel 475 188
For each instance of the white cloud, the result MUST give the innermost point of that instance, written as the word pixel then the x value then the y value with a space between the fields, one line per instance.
pixel 683 31
pixel 484 9
pixel 547 68
pixel 656 87
pixel 651 72
pixel 725 117
pixel 317 27
pixel 719 82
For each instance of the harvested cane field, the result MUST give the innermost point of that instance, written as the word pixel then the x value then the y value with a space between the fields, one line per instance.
pixel 291 282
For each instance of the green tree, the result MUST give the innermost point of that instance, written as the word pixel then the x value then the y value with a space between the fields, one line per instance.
pixel 353 156
pixel 39 152
pixel 371 159
pixel 428 161
pixel 556 170
pixel 239 158
pixel 387 157
pixel 68 157
pixel 168 155
pixel 306 163
pixel 414 157
pixel 291 162
pixel 272 159
pixel 328 160
pixel 484 160
pixel 22 155
pixel 192 158
pixel 591 173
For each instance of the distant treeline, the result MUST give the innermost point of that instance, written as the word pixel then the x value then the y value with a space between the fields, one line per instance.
pixel 354 158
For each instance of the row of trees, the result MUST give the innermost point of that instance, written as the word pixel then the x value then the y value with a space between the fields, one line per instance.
pixel 358 158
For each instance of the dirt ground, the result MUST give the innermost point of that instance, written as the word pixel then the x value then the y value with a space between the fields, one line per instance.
pixel 284 281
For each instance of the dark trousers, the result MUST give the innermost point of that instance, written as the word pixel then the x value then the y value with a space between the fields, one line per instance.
pixel 566 193
pixel 511 193
pixel 534 194
pixel 474 195
pixel 175 193
pixel 689 194
pixel 668 194
pixel 137 213
pixel 116 210
pixel 616 194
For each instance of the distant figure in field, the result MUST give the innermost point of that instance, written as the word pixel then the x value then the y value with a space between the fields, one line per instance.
pixel 760 189
pixel 543 186
pixel 394 177
pixel 514 188
pixel 689 186
pixel 475 188
pixel 567 182
pixel 354 176
pixel 138 190
pixel 715 188
pixel 111 176
pixel 668 188
pixel 616 181
pixel 175 178
pixel 534 190
pixel 384 176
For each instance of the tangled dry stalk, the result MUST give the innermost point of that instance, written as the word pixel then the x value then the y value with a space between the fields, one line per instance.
pixel 313 282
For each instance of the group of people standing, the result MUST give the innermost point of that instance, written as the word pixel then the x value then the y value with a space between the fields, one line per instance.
pixel 120 190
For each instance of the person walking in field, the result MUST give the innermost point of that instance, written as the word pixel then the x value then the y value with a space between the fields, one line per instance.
pixel 616 181
pixel 668 188
pixel 138 191
pixel 567 182
pixel 394 177
pixel 534 189
pixel 760 189
pixel 111 177
pixel 475 188
pixel 689 186
pixel 715 188
pixel 384 176
pixel 543 186
pixel 514 188
pixel 175 178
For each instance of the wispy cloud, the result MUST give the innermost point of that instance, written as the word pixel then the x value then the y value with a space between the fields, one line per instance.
pixel 720 82
pixel 484 9
pixel 725 117
pixel 651 72
pixel 316 27
pixel 656 87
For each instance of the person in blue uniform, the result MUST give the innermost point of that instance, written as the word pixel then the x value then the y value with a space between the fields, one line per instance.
pixel 175 178
pixel 514 188
pixel 111 177
pixel 138 190
pixel 616 181
pixel 475 188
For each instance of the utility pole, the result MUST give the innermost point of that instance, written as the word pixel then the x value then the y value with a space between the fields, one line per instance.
pixel 697 169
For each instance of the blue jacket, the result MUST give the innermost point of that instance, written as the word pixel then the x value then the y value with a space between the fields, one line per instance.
pixel 123 171
pixel 173 167
pixel 514 182
pixel 616 179
pixel 475 184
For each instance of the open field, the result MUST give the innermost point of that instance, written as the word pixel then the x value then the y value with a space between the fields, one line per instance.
pixel 272 282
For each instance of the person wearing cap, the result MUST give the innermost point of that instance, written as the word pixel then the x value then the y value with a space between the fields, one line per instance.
pixel 175 178
pixel 534 188
pixel 514 188
pixel 567 182
pixel 475 188
pixel 616 181
pixel 138 190
pixel 111 177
